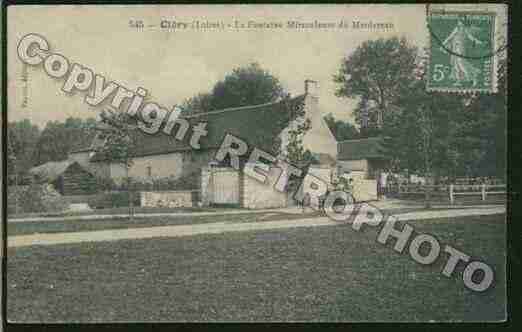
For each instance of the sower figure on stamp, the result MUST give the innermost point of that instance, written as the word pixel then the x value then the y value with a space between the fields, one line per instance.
pixel 462 70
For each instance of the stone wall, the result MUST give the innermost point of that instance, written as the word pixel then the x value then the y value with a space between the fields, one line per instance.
pixel 77 199
pixel 172 199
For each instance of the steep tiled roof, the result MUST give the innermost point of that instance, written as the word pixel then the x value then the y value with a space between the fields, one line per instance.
pixel 257 125
pixel 356 149
pixel 91 142
pixel 52 170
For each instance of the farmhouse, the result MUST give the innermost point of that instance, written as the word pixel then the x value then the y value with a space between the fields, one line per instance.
pixel 265 127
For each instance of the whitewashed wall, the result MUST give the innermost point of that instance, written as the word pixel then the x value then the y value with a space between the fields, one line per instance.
pixel 318 138
pixel 163 165
pixel 323 173
pixel 258 195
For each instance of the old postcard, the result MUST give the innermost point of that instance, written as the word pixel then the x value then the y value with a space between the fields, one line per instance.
pixel 256 163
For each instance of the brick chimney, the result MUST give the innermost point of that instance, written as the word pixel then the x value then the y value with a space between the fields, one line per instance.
pixel 311 87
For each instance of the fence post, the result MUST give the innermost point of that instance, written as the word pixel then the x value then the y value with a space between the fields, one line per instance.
pixel 451 193
pixel 483 190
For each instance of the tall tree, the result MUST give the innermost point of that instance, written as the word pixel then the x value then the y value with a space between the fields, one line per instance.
pixel 342 130
pixel 467 133
pixel 482 131
pixel 420 136
pixel 59 138
pixel 376 73
pixel 22 139
pixel 249 85
pixel 120 135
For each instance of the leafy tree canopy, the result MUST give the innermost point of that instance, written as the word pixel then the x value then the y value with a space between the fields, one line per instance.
pixel 249 85
pixel 59 138
pixel 430 133
pixel 377 73
pixel 22 138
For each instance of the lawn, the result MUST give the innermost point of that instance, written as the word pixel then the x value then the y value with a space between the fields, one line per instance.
pixel 329 273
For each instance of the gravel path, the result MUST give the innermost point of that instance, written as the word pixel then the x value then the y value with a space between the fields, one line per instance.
pixel 220 227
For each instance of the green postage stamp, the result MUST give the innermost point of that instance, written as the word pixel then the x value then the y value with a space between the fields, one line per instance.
pixel 462 52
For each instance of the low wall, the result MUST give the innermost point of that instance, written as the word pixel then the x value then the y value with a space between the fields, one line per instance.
pixel 364 190
pixel 77 199
pixel 172 199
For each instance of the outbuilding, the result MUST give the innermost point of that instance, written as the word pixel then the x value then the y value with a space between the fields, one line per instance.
pixel 68 177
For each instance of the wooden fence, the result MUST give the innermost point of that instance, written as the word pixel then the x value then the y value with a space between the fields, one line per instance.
pixel 451 191
pixel 473 190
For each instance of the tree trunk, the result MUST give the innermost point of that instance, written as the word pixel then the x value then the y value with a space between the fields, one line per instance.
pixel 17 193
pixel 427 197
pixel 129 191
pixel 426 140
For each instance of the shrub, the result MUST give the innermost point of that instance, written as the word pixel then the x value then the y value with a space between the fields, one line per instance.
pixel 35 198
pixel 105 184
pixel 187 182
pixel 113 199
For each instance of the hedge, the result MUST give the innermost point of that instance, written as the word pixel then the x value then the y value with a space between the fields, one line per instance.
pixel 113 199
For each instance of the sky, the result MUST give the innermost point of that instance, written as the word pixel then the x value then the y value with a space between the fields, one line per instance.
pixel 176 64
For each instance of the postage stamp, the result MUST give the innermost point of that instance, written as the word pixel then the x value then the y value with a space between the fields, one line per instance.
pixel 461 52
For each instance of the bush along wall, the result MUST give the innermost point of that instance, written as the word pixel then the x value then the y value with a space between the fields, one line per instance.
pixel 113 199
pixel 35 198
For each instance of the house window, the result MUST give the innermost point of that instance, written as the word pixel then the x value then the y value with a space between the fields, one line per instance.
pixel 149 171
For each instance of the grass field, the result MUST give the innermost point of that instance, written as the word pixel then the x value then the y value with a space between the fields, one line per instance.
pixel 328 273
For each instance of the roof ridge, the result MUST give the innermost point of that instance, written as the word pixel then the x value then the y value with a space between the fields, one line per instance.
pixel 240 108
pixel 55 162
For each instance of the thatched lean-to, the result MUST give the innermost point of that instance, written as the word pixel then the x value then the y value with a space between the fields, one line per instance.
pixel 68 177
